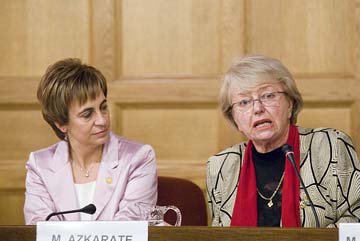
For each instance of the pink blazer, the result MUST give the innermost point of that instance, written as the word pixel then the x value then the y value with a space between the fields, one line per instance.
pixel 127 175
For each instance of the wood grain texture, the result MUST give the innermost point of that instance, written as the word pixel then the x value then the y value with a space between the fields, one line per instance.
pixel 34 34
pixel 311 37
pixel 105 37
pixel 241 234
pixel 232 31
pixel 355 124
pixel 27 233
pixel 356 43
pixel 177 37
pixel 11 203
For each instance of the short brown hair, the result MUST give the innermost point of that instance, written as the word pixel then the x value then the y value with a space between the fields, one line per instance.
pixel 64 82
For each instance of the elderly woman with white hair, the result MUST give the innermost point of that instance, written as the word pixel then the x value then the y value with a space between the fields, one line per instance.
pixel 253 183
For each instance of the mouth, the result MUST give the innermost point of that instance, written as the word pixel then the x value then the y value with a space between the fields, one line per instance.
pixel 101 132
pixel 262 123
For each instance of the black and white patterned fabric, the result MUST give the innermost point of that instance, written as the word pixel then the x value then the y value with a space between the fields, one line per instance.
pixel 329 167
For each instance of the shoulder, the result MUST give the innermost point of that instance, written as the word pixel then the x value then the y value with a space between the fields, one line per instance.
pixel 227 158
pixel 235 150
pixel 46 151
pixel 324 139
pixel 130 146
pixel 322 132
pixel 41 158
pixel 129 152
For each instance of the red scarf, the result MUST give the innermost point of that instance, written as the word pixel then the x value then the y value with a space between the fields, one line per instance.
pixel 245 209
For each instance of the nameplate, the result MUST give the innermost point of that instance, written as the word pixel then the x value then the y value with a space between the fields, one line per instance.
pixel 92 231
pixel 349 232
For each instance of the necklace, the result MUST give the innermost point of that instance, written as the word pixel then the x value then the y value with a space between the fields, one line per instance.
pixel 270 203
pixel 85 170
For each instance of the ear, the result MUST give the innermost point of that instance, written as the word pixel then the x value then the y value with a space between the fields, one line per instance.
pixel 290 108
pixel 62 128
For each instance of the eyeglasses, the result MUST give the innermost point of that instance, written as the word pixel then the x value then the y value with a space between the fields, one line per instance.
pixel 270 99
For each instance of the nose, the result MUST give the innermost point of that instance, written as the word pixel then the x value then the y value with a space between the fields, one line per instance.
pixel 100 118
pixel 258 106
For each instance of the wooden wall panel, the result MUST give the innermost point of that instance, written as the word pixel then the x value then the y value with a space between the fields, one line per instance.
pixel 311 37
pixel 104 37
pixel 228 135
pixel 178 132
pixel 28 131
pixel 232 31
pixel 178 37
pixel 331 115
pixel 355 124
pixel 11 203
pixel 12 175
pixel 36 33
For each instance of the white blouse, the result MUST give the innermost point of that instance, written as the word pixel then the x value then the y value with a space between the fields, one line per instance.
pixel 85 195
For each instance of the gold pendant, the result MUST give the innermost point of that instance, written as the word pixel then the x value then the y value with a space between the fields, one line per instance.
pixel 270 203
pixel 87 173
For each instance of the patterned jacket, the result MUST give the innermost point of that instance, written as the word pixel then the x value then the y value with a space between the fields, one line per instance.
pixel 329 167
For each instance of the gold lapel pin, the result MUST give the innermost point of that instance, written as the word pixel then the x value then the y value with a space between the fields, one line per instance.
pixel 108 180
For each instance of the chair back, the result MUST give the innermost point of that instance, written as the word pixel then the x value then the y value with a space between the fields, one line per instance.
pixel 187 196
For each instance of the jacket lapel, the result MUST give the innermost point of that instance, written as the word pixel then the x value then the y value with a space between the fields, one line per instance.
pixel 107 176
pixel 61 184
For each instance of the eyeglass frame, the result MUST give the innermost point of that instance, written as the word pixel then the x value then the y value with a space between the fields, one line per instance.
pixel 258 99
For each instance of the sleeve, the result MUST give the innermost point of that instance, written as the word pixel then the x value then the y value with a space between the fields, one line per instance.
pixel 38 203
pixel 348 181
pixel 213 195
pixel 141 186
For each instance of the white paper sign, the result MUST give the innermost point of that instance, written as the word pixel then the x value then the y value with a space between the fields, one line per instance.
pixel 92 231
pixel 349 232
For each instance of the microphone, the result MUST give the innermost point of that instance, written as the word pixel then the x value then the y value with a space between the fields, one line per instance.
pixel 287 150
pixel 89 209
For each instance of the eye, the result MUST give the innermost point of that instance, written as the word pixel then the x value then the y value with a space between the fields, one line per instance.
pixel 268 96
pixel 86 114
pixel 244 102
pixel 104 107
